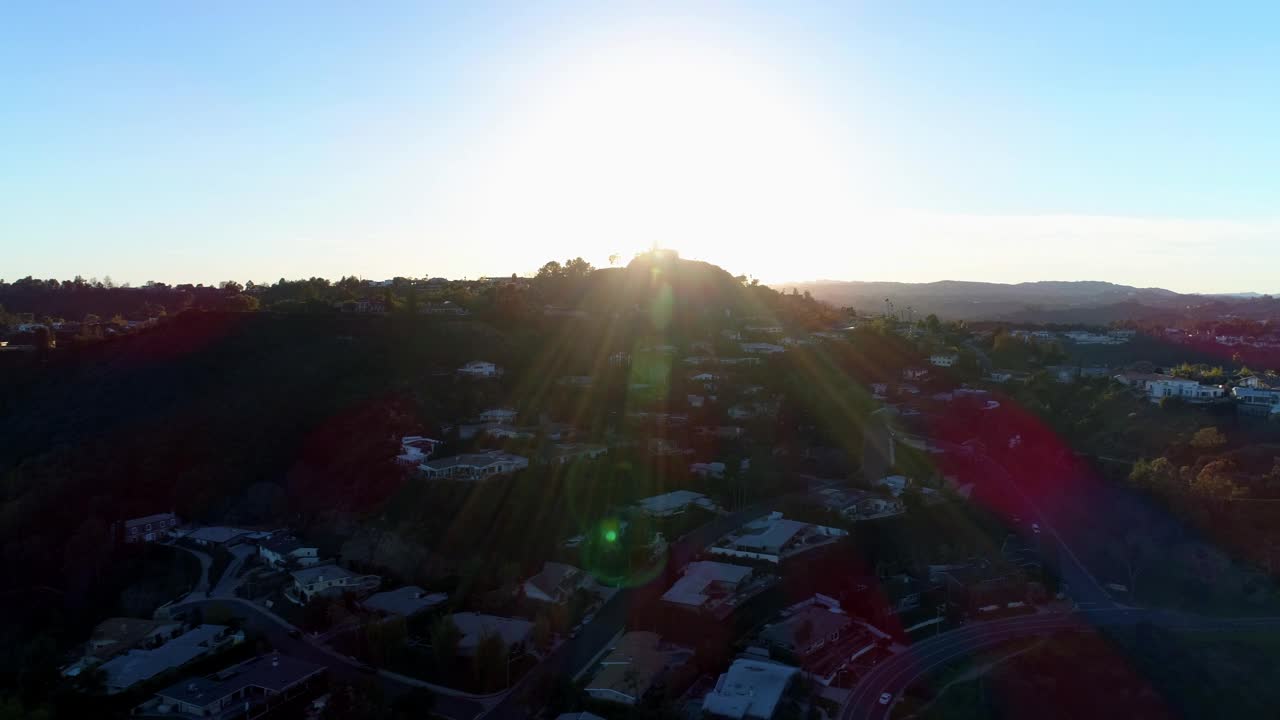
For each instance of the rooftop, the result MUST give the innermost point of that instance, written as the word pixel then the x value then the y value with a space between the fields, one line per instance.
pixel 633 666
pixel 675 500
pixel 273 673
pixel 405 601
pixel 136 666
pixel 306 576
pixel 751 688
pixel 216 534
pixel 148 519
pixel 475 626
pixel 704 581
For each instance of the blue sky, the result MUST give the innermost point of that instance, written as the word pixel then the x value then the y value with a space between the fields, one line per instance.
pixel 1131 142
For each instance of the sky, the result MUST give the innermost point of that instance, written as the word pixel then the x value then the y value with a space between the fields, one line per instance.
pixel 198 142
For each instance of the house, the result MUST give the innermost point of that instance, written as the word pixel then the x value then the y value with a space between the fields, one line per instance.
pixel 1257 401
pixel 945 360
pixel 503 430
pixel 752 688
pixel 695 401
pixel 416 449
pixel 283 550
pixel 556 583
pixel 1252 382
pixel 639 662
pixel 1064 374
pixel 820 637
pixel 473 466
pixel 363 305
pixel 711 469
pixel 569 452
pixel 498 415
pixel 448 307
pixel 1157 387
pixel 114 636
pixel 124 671
pixel 480 368
pixel 404 602
pixel 897 484
pixel 858 504
pixel 474 627
pixel 150 528
pixel 252 687
pixel 672 503
pixel 774 538
pixel 222 536
pixel 317 580
pixel 1000 376
pixel 756 348
pixel 915 373
pixel 708 585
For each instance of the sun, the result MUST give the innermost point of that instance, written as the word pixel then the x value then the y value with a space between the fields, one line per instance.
pixel 701 149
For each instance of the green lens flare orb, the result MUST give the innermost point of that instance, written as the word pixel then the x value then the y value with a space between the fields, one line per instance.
pixel 611 535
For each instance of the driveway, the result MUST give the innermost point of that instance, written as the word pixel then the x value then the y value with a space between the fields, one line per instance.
pixel 230 579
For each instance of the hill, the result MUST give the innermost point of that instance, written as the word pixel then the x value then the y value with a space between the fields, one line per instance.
pixel 1049 301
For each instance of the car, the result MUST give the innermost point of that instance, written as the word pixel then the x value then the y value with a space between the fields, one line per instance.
pixel 1035 528
pixel 885 698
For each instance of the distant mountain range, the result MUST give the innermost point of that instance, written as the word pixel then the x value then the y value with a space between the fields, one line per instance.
pixel 1090 302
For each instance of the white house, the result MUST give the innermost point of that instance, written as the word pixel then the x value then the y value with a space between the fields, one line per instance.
pixel 1158 387
pixel 1258 397
pixel 706 584
pixel 914 373
pixel 753 688
pixel 944 359
pixel 284 550
pixel 569 452
pixel 312 581
pixel 633 666
pixel 150 528
pixel 774 538
pixel 498 415
pixel 473 466
pixel 480 368
pixel 416 449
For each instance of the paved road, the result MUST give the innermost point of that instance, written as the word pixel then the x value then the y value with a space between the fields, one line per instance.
pixel 228 583
pixel 896 674
pixel 277 629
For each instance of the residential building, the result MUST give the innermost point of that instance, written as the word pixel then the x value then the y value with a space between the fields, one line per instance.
pixel 1065 374
pixel 752 688
pixel 639 662
pixel 556 583
pixel 310 582
pixel 498 415
pixel 711 469
pixel 114 636
pixel 1157 387
pixel 818 635
pixel 774 538
pixel 673 503
pixel 474 627
pixel 473 466
pixel 915 373
pixel 216 535
pixel 945 360
pixel 708 585
pixel 251 688
pixel 757 348
pixel 404 602
pixel 416 449
pixel 859 504
pixel 569 452
pixel 503 430
pixel 448 307
pixel 480 368
pixel 897 484
pixel 1253 382
pixel 1257 401
pixel 284 550
pixel 150 528
pixel 124 671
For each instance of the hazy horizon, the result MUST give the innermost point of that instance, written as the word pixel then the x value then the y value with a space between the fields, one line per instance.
pixel 983 143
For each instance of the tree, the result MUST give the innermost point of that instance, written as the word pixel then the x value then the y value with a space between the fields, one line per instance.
pixel 445 637
pixel 491 662
pixel 1208 438
pixel 542 631
pixel 1216 482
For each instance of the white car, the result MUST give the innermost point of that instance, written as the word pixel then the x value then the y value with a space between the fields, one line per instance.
pixel 885 698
